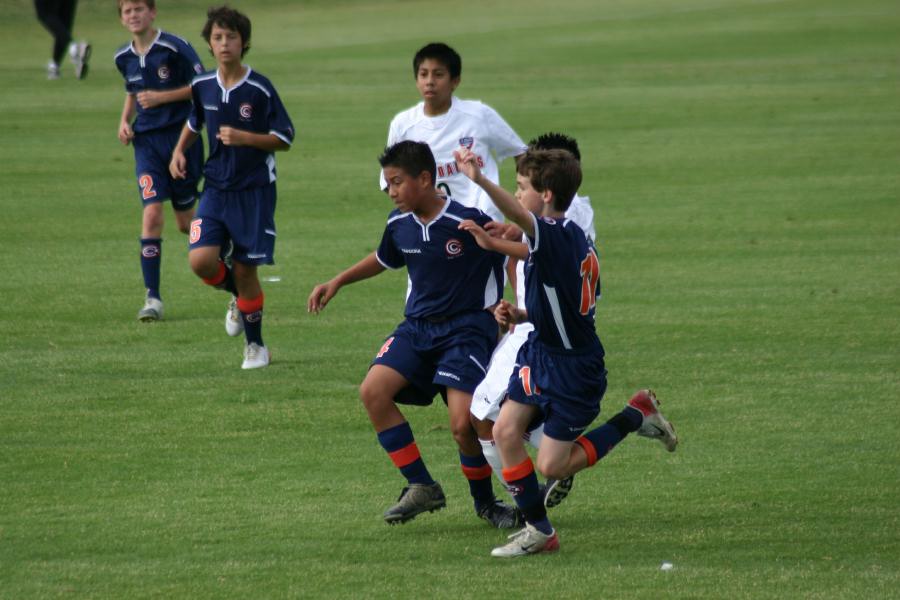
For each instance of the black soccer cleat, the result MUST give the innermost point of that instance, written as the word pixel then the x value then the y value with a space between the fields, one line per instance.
pixel 556 490
pixel 416 498
pixel 500 515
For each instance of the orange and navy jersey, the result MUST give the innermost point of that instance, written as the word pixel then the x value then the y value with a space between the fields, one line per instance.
pixel 562 282
pixel 170 63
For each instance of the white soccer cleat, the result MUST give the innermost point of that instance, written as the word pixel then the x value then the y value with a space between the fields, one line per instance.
pixel 52 70
pixel 255 356
pixel 654 425
pixel 152 311
pixel 527 541
pixel 234 321
pixel 80 53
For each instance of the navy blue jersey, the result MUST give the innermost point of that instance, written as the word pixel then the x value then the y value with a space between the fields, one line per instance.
pixel 449 271
pixel 251 105
pixel 169 63
pixel 561 285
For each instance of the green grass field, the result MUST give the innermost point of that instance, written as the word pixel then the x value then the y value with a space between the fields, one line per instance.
pixel 743 160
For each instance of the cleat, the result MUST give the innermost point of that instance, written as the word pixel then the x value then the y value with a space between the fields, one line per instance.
pixel 500 515
pixel 527 541
pixel 52 70
pixel 80 53
pixel 655 425
pixel 255 356
pixel 234 322
pixel 152 311
pixel 556 490
pixel 415 499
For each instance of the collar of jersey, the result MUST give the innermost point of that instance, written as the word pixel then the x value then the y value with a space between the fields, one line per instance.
pixel 227 92
pixel 159 32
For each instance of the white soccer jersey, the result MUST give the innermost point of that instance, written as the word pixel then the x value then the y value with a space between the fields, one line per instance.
pixel 487 396
pixel 468 123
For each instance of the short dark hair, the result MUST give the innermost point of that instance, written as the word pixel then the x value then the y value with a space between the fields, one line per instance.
pixel 412 157
pixel 554 170
pixel 151 4
pixel 556 141
pixel 228 18
pixel 442 53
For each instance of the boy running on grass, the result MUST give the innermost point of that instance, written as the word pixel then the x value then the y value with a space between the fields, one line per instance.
pixel 246 124
pixel 446 338
pixel 560 375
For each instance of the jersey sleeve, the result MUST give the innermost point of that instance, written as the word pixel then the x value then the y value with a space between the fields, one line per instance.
pixel 279 122
pixel 196 118
pixel 387 253
pixel 189 62
pixel 503 141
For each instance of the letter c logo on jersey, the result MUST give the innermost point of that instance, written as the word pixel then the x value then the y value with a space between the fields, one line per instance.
pixel 163 72
pixel 246 110
pixel 454 247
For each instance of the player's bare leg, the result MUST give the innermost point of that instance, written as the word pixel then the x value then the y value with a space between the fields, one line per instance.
pixel 538 535
pixel 151 261
pixel 475 466
pixel 422 493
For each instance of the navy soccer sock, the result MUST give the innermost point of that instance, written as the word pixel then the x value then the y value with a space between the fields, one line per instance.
pixel 252 314
pixel 598 442
pixel 478 473
pixel 222 280
pixel 399 443
pixel 522 482
pixel 151 259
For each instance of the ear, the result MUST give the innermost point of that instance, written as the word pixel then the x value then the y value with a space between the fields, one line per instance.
pixel 454 83
pixel 547 197
pixel 425 180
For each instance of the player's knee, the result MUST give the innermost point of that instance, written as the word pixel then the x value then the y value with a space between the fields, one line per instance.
pixel 551 469
pixel 373 397
pixel 505 433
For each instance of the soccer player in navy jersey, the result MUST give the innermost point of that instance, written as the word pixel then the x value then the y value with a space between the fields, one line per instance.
pixel 157 67
pixel 559 377
pixel 446 339
pixel 246 124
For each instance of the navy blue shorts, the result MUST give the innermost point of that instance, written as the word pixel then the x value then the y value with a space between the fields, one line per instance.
pixel 152 154
pixel 566 387
pixel 453 353
pixel 246 217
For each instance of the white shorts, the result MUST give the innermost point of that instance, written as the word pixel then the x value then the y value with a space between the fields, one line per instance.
pixel 491 391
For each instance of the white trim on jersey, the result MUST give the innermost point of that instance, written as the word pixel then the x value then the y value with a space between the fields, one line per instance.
pixel 227 92
pixel 491 291
pixel 280 137
pixel 387 266
pixel 260 86
pixel 270 163
pixel 480 366
pixel 553 299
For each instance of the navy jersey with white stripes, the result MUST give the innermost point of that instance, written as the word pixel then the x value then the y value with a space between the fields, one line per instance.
pixel 561 284
pixel 449 271
pixel 169 63
pixel 251 105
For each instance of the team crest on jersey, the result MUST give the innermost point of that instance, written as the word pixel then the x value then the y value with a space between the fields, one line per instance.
pixel 467 141
pixel 453 247
pixel 246 110
pixel 163 72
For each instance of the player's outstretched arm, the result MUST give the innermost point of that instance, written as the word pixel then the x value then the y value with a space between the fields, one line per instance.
pixel 496 244
pixel 239 137
pixel 178 164
pixel 126 134
pixel 466 161
pixel 324 292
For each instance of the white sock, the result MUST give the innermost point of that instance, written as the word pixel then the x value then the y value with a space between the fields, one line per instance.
pixel 534 437
pixel 492 455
